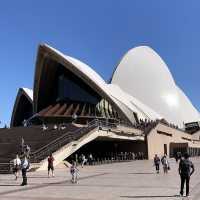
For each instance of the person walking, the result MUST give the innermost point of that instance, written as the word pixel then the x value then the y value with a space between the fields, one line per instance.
pixel 83 160
pixel 90 158
pixel 27 151
pixel 186 169
pixel 50 165
pixel 176 157
pixel 24 167
pixel 74 172
pixel 16 166
pixel 165 164
pixel 157 163
pixel 22 145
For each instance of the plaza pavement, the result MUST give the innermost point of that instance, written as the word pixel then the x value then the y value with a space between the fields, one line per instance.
pixel 128 180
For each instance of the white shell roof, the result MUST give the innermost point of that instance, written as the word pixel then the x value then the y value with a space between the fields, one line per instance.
pixel 29 92
pixel 145 76
pixel 84 68
pixel 142 83
pixel 132 103
pixel 113 91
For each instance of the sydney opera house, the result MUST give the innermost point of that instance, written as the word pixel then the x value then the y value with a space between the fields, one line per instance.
pixel 141 109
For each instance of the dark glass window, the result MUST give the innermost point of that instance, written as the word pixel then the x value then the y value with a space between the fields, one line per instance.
pixel 73 89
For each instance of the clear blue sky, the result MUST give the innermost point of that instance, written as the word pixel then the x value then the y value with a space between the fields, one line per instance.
pixel 98 33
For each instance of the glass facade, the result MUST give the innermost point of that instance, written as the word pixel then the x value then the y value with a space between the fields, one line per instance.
pixel 75 90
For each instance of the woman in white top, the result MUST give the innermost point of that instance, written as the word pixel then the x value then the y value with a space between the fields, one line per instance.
pixel 165 164
pixel 84 160
pixel 16 166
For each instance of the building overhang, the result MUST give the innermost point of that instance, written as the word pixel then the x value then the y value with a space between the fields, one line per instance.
pixel 47 58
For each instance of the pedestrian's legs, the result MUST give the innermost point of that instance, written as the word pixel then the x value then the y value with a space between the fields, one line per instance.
pixel 24 182
pixel 83 163
pixel 182 184
pixel 187 186
pixel 52 172
pixel 17 174
pixel 165 169
pixel 157 168
pixel 73 178
pixel 48 171
pixel 76 177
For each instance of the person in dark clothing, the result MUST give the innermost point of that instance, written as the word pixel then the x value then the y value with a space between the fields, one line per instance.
pixel 27 151
pixel 176 156
pixel 157 163
pixel 186 169
pixel 50 165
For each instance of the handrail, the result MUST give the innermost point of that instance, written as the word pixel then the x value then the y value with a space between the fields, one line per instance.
pixel 68 133
pixel 40 156
pixel 8 167
pixel 5 163
pixel 72 133
pixel 61 140
pixel 54 145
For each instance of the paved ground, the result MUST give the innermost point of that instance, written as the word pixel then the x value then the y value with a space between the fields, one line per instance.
pixel 131 180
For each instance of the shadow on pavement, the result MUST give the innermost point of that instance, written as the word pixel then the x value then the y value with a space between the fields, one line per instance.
pixel 28 187
pixel 142 173
pixel 155 196
pixel 7 185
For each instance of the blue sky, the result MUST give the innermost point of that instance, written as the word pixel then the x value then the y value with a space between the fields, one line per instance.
pixel 98 33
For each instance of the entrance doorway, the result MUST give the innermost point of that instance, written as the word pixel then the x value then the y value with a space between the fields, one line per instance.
pixel 165 149
pixel 106 148
pixel 178 147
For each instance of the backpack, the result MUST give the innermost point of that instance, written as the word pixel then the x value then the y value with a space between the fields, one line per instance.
pixel 164 161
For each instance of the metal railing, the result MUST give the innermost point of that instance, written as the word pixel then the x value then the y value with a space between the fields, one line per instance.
pixel 6 167
pixel 43 152
pixel 56 144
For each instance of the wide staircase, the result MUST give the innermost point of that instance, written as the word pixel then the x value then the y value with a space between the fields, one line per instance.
pixel 42 142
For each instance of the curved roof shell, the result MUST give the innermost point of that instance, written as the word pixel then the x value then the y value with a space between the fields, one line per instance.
pixel 46 56
pixel 124 102
pixel 144 75
pixel 141 84
pixel 23 107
